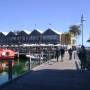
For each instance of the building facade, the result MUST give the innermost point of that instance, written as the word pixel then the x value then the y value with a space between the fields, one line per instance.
pixel 2 39
pixel 35 37
pixel 10 38
pixel 22 37
pixel 50 37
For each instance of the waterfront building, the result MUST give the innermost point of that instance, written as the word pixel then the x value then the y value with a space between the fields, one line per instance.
pixel 10 38
pixel 2 39
pixel 22 37
pixel 35 37
pixel 50 37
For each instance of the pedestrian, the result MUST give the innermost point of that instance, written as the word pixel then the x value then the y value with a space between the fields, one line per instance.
pixel 57 53
pixel 70 53
pixel 82 56
pixel 62 51
pixel 74 53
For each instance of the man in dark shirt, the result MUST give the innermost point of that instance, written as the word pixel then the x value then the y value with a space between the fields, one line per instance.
pixel 82 57
pixel 62 51
pixel 70 53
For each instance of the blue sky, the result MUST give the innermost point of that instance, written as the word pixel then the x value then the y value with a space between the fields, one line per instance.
pixel 24 14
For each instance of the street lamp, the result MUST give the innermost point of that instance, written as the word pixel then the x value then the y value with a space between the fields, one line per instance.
pixel 82 20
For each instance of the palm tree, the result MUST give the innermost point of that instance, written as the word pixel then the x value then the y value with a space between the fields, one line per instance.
pixel 75 30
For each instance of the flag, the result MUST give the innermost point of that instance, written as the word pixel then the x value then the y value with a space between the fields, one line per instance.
pixel 35 25
pixel 50 24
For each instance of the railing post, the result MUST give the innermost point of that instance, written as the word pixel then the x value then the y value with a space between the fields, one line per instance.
pixel 74 55
pixel 29 61
pixel 39 59
pixel 42 53
pixel 49 55
pixel 18 57
pixel 9 69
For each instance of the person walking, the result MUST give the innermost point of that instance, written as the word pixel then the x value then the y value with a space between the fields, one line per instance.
pixel 62 51
pixel 82 56
pixel 74 54
pixel 70 53
pixel 57 53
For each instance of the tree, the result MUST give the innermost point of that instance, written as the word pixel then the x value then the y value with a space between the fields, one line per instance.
pixel 75 30
pixel 66 38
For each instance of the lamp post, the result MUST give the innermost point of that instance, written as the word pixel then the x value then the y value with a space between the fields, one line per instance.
pixel 82 20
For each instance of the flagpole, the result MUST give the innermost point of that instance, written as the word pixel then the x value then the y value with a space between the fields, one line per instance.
pixel 50 25
pixel 35 26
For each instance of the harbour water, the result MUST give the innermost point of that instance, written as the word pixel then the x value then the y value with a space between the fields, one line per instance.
pixel 18 69
pixel 3 77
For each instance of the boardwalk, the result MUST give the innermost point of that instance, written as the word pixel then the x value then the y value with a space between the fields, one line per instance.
pixel 67 64
pixel 53 75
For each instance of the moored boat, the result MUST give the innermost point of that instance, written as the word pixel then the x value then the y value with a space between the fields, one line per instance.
pixel 6 54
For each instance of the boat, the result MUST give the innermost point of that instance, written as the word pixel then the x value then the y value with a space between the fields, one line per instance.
pixel 5 65
pixel 6 54
pixel 35 57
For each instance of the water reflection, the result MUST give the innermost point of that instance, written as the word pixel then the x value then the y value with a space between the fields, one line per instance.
pixel 3 77
pixel 17 69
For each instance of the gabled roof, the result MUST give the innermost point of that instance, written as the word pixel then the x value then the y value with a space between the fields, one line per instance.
pixel 35 33
pixel 1 34
pixel 49 32
pixel 22 33
pixel 10 34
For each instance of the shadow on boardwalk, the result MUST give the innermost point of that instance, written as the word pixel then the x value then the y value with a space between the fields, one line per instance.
pixel 50 79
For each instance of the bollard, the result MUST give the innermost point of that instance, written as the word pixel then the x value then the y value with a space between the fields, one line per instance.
pixel 9 69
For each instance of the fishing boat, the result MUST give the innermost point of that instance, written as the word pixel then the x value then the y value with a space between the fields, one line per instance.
pixel 6 54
